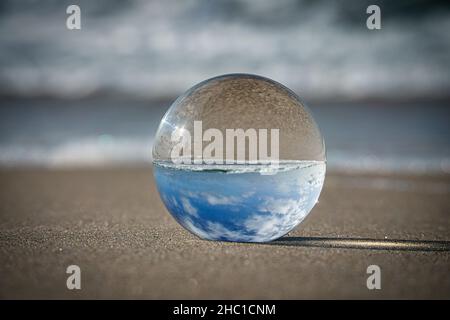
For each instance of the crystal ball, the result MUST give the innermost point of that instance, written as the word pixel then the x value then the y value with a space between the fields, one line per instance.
pixel 240 158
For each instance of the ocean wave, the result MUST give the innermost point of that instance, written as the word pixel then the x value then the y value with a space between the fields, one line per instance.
pixel 104 151
pixel 320 49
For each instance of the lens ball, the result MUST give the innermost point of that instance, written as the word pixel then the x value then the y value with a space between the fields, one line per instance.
pixel 239 158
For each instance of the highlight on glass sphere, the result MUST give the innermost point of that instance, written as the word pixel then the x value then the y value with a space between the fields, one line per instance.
pixel 239 158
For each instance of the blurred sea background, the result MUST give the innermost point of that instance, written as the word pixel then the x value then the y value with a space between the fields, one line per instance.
pixel 94 97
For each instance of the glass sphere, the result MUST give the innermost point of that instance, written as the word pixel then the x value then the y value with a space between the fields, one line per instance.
pixel 239 158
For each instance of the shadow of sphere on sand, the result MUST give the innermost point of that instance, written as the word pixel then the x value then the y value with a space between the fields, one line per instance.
pixel 363 243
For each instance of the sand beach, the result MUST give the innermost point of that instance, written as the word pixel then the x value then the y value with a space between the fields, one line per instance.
pixel 112 224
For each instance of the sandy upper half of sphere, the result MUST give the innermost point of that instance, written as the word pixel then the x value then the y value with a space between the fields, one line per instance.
pixel 245 102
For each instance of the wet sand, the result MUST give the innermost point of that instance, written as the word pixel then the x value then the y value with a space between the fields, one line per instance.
pixel 113 225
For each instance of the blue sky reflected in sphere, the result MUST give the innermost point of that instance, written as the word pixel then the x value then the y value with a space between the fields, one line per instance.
pixel 240 203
